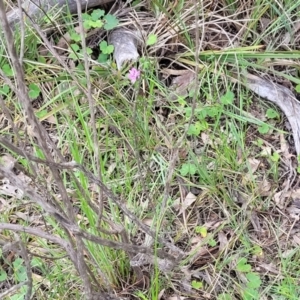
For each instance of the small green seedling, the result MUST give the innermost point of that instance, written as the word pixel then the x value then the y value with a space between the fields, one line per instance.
pixel 4 90
pixel 275 157
pixel 105 48
pixel 111 22
pixel 188 169
pixel 20 270
pixel 74 36
pixel 97 19
pixel 152 39
pixel 242 265
pixel 212 242
pixel 7 70
pixel 264 128
pixel 202 230
pixel 272 114
pixel 34 91
pixel 197 285
pixel 93 20
pixel 227 98
pixel 250 291
pixel 254 280
pixel 3 275
pixel 197 127
pixel 77 51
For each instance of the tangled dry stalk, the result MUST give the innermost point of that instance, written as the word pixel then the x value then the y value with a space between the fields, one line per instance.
pixel 63 211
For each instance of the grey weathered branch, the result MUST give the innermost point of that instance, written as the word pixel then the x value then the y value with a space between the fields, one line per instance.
pixel 281 96
pixel 36 9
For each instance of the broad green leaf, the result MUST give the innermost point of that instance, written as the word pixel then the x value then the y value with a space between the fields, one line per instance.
pixel 97 14
pixel 87 24
pixel 88 51
pixel 242 265
pixel 42 113
pixel 254 280
pixel 272 113
pixel 250 294
pixel 275 157
pixel 21 275
pixel 86 16
pixel 257 250
pixel 74 54
pixel 75 37
pixel 34 91
pixel 213 111
pixel 194 129
pixel 263 129
pixel 3 275
pixel 96 24
pixel 197 127
pixel 102 58
pixel 111 22
pixel 105 48
pixel 188 169
pixel 7 70
pixel 227 98
pixel 5 89
pixel 75 47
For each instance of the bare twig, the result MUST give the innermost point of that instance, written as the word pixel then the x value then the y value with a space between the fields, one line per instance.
pixel 13 289
pixel 106 190
pixel 26 259
pixel 22 31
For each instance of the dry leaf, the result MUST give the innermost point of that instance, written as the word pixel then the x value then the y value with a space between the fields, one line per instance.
pixel 183 84
pixel 264 187
pixel 296 239
pixel 266 152
pixel 7 162
pixel 161 293
pixel 222 238
pixel 294 212
pixel 271 268
pixel 284 147
pixel 188 201
pixel 279 199
pixel 253 165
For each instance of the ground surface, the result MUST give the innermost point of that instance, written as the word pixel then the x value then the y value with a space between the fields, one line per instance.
pixel 205 163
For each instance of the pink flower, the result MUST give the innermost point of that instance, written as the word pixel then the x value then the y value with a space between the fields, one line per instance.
pixel 134 74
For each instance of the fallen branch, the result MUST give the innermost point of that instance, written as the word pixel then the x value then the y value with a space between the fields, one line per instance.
pixel 282 97
pixel 36 9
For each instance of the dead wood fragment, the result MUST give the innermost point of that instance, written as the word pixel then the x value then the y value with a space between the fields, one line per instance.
pixel 282 97
pixel 125 45
pixel 36 9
